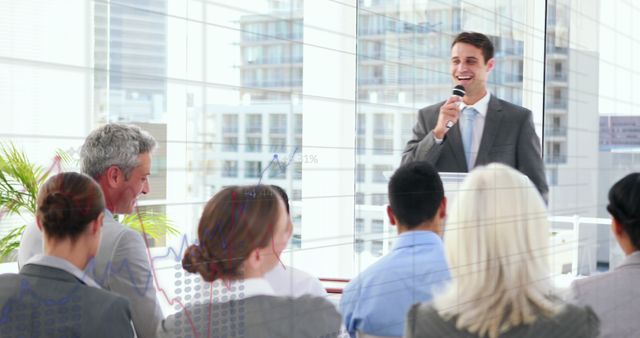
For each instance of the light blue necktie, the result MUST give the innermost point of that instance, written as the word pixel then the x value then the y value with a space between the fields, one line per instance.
pixel 468 116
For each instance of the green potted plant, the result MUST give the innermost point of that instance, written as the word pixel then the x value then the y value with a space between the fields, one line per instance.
pixel 19 183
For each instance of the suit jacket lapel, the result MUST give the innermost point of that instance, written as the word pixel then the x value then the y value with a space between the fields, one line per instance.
pixel 491 128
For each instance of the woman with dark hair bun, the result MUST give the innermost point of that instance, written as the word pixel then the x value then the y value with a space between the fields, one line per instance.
pixel 52 296
pixel 241 234
pixel 614 295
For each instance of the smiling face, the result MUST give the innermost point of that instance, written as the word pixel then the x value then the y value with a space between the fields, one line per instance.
pixel 126 194
pixel 469 69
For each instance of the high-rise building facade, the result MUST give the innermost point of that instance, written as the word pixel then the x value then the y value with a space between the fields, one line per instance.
pixel 130 56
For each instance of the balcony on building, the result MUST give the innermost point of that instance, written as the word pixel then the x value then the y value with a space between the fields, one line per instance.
pixel 555 131
pixel 555 159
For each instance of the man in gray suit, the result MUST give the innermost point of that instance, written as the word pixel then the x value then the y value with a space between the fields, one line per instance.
pixel 118 157
pixel 459 134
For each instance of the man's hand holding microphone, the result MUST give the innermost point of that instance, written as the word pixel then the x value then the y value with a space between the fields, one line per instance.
pixel 449 113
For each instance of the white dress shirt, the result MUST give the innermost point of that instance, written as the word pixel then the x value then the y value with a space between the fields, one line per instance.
pixel 225 291
pixel 292 282
pixel 250 287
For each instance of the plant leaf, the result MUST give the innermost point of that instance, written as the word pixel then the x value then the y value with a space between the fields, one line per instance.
pixel 155 224
pixel 10 242
pixel 19 180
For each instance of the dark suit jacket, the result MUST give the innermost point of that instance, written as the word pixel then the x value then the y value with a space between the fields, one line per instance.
pixel 509 137
pixel 423 321
pixel 42 301
pixel 256 317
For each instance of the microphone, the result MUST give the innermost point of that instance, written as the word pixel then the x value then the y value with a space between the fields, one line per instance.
pixel 457 91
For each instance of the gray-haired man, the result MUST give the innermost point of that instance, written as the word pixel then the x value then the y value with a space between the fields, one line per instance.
pixel 118 157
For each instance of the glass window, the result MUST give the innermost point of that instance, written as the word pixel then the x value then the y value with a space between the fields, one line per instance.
pixel 229 169
pixel 203 77
pixel 230 144
pixel 360 172
pixel 230 123
pixel 359 226
pixel 278 144
pixel 361 121
pixel 378 172
pixel 420 35
pixel 278 123
pixel 253 145
pixel 254 123
pixel 377 248
pixel 361 145
pixel 296 195
pixel 297 123
pixel 252 169
pixel 379 199
pixel 277 171
pixel 360 198
pixel 377 226
pixel 359 245
pixel 382 146
pixel 297 171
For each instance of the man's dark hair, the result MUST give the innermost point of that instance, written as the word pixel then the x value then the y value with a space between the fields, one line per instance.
pixel 283 195
pixel 624 198
pixel 415 193
pixel 478 40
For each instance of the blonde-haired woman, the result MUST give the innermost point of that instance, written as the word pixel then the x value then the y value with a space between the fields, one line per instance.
pixel 497 240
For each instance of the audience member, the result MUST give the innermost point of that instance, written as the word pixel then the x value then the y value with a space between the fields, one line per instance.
pixel 241 233
pixel 52 296
pixel 497 242
pixel 615 295
pixel 118 157
pixel 377 300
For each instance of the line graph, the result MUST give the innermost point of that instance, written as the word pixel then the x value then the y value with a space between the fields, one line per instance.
pixel 141 285
pixel 160 289
pixel 276 163
pixel 236 214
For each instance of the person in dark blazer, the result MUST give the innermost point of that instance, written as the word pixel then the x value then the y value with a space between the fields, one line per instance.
pixel 241 234
pixel 51 296
pixel 497 247
pixel 458 134
pixel 614 295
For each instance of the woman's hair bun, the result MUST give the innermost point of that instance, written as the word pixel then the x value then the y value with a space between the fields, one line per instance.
pixel 67 203
pixel 195 260
pixel 56 208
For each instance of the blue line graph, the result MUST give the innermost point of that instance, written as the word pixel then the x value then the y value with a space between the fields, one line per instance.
pixel 27 290
pixel 123 267
pixel 281 166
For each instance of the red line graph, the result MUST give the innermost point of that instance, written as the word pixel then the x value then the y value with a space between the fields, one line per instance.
pixel 55 168
pixel 171 301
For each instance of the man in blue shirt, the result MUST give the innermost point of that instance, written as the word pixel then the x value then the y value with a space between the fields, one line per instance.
pixel 376 301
